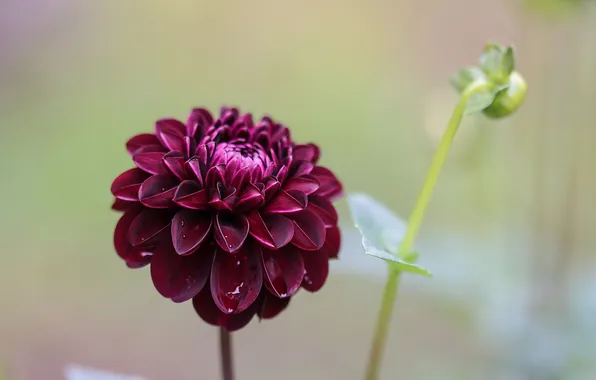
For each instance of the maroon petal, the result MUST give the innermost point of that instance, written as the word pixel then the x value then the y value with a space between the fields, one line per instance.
pixel 158 191
pixel 215 175
pixel 134 257
pixel 236 280
pixel 309 231
pixel 271 305
pixel 307 152
pixel 223 199
pixel 324 209
pixel 126 185
pixel 316 269
pixel 332 242
pixel 287 202
pixel 210 313
pixel 281 173
pixel 170 133
pixel 240 178
pixel 147 225
pixel 174 161
pixel 194 166
pixel 140 141
pixel 273 231
pixel 151 162
pixel 272 187
pixel 189 230
pixel 189 146
pixel 231 231
pixel 251 198
pixel 330 188
pixel 306 184
pixel 198 121
pixel 190 195
pixel 121 205
pixel 180 278
pixel 300 168
pixel 284 271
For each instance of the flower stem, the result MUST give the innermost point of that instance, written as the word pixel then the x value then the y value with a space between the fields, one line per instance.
pixel 391 287
pixel 225 345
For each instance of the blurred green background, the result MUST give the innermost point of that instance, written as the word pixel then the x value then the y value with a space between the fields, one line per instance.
pixel 509 235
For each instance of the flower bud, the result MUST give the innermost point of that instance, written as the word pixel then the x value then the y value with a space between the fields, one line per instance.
pixel 508 100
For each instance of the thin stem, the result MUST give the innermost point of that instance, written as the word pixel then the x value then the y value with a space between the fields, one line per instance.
pixel 225 345
pixel 391 287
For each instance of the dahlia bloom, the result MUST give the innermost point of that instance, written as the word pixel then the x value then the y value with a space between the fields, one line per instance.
pixel 231 214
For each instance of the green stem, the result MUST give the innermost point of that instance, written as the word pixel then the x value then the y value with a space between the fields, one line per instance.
pixel 391 287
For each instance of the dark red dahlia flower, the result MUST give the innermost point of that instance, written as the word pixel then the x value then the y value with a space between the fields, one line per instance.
pixel 229 213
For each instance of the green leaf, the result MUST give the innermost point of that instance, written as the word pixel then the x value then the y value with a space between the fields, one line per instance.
pixel 508 64
pixel 403 265
pixel 491 60
pixel 465 77
pixel 480 100
pixel 381 231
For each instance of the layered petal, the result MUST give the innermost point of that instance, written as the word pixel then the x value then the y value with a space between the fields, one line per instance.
pixel 189 230
pixel 271 305
pixel 284 271
pixel 309 231
pixel 230 231
pixel 147 226
pixel 126 186
pixel 180 278
pixel 236 280
pixel 272 230
pixel 316 270
pixel 158 191
pixel 133 256
pixel 139 141
pixel 206 309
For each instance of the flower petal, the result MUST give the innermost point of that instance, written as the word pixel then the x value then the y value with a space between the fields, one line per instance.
pixel 147 225
pixel 307 152
pixel 158 191
pixel 273 231
pixel 193 166
pixel 170 133
pixel 189 230
pixel 306 184
pixel 174 161
pixel 309 231
pixel 208 311
pixel 134 257
pixel 271 305
pixel 332 242
pixel 287 202
pixel 190 195
pixel 300 168
pixel 126 185
pixel 316 270
pixel 231 230
pixel 140 141
pixel 121 205
pixel 180 278
pixel 151 162
pixel 251 198
pixel 324 209
pixel 197 123
pixel 236 279
pixel 330 188
pixel 272 187
pixel 284 270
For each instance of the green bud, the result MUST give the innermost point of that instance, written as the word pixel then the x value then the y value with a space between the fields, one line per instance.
pixel 497 62
pixel 508 100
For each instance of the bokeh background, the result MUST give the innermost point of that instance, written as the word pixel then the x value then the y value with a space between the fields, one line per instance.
pixel 509 235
